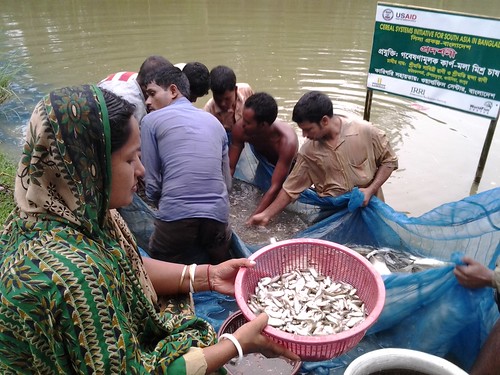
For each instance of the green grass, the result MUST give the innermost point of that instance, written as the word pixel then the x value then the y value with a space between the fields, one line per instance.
pixel 7 176
pixel 7 167
pixel 5 80
pixel 5 91
pixel 7 73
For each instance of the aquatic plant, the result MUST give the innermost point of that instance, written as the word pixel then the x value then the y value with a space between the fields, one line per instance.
pixel 7 175
pixel 5 91
pixel 7 73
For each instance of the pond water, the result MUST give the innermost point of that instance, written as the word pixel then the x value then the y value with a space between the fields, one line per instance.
pixel 284 47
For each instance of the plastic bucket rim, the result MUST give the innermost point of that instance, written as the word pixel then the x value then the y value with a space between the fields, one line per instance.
pixel 400 357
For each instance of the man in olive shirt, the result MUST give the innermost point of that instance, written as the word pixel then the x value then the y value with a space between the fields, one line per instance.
pixel 340 154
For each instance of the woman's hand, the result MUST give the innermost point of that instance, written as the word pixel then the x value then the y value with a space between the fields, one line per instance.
pixel 252 340
pixel 222 276
pixel 473 274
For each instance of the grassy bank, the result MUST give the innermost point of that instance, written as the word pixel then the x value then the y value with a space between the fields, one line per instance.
pixel 7 175
pixel 5 91
pixel 7 73
pixel 7 167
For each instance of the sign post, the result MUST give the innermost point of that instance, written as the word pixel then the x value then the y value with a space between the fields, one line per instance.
pixel 483 157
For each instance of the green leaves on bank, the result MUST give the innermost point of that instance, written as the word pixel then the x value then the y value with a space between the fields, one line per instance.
pixel 7 73
pixel 7 177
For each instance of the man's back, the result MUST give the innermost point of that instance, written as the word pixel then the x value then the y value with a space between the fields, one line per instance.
pixel 274 143
pixel 188 181
pixel 124 84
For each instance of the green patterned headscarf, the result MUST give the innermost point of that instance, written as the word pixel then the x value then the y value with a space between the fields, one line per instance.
pixel 73 293
pixel 64 173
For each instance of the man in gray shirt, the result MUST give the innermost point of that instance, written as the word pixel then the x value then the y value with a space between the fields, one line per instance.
pixel 185 153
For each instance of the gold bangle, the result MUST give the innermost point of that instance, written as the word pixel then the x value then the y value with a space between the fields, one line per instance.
pixel 192 271
pixel 183 274
pixel 208 279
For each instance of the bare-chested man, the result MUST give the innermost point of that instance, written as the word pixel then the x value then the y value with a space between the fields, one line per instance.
pixel 273 139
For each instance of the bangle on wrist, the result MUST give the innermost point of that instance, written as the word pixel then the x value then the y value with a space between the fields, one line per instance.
pixel 183 274
pixel 236 343
pixel 192 271
pixel 208 279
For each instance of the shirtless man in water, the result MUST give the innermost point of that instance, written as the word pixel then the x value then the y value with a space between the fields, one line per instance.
pixel 273 139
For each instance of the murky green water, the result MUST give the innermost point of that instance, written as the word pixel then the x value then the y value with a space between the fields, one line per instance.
pixel 282 47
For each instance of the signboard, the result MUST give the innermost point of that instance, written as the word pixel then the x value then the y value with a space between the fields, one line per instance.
pixel 448 59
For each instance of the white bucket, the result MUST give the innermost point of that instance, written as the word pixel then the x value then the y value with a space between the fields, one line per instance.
pixel 401 359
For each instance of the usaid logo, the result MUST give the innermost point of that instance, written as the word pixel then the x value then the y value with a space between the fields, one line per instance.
pixel 402 16
pixel 388 14
pixel 417 91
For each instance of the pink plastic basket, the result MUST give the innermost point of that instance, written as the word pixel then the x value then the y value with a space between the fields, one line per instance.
pixel 330 259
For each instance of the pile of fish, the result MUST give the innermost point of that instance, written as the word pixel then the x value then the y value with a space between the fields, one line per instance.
pixel 306 303
pixel 387 260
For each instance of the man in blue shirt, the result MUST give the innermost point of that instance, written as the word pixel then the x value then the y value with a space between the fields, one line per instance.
pixel 185 153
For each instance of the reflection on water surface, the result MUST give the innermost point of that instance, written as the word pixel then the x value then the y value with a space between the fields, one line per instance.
pixel 282 47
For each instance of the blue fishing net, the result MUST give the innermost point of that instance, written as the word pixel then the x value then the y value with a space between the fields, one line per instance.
pixel 426 311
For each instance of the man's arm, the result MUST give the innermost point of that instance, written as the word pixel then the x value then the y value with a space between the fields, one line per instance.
pixel 472 274
pixel 281 201
pixel 236 147
pixel 281 170
pixel 386 159
pixel 210 106
pixel 150 158
pixel 383 173
pixel 226 172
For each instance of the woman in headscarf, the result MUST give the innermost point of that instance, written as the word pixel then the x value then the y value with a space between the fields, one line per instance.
pixel 75 296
